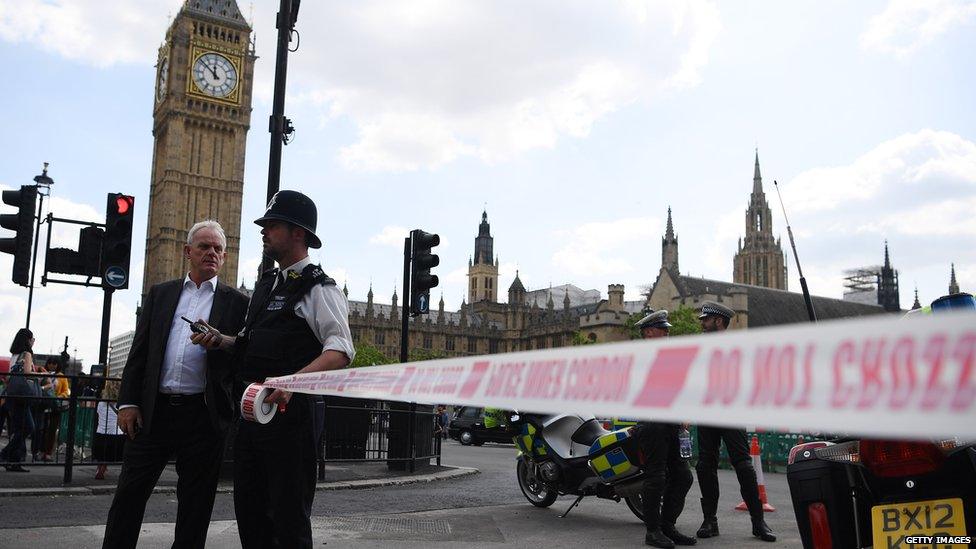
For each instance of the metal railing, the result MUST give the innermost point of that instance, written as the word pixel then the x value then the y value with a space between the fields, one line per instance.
pixel 353 431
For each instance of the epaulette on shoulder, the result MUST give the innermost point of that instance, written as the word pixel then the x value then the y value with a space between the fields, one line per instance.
pixel 316 273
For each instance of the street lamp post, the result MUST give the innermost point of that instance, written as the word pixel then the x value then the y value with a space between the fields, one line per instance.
pixel 43 184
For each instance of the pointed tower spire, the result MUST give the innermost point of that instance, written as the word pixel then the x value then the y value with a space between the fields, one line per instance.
pixel 393 306
pixel 953 285
pixel 888 285
pixel 757 176
pixel 566 299
pixel 669 247
pixel 916 305
pixel 345 289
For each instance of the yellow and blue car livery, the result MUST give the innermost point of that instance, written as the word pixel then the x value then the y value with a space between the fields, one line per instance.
pixel 609 459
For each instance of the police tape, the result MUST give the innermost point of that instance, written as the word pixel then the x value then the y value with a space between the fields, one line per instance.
pixel 253 406
pixel 882 377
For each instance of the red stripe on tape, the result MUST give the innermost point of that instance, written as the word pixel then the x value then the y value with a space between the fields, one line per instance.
pixel 478 370
pixel 666 377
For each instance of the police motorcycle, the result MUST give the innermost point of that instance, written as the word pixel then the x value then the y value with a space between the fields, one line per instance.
pixel 855 492
pixel 566 454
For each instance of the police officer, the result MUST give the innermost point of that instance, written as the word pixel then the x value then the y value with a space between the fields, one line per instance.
pixel 716 317
pixel 665 472
pixel 297 322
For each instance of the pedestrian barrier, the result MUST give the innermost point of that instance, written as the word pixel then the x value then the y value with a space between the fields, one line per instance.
pixel 353 431
pixel 880 377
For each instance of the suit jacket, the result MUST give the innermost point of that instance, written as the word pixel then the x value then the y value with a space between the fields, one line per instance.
pixel 140 378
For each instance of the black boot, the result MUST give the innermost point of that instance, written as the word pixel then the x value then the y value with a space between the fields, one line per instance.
pixel 762 530
pixel 709 527
pixel 677 537
pixel 656 538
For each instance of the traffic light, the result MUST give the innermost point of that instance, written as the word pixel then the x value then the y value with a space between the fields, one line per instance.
pixel 117 242
pixel 22 223
pixel 421 281
pixel 85 261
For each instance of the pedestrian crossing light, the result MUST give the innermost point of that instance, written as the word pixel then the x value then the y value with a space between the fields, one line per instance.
pixel 421 281
pixel 22 223
pixel 117 242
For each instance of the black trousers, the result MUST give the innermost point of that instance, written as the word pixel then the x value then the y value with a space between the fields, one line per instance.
pixel 187 433
pixel 274 478
pixel 665 474
pixel 737 447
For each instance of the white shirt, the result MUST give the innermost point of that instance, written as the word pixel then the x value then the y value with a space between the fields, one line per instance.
pixel 326 311
pixel 108 422
pixel 184 369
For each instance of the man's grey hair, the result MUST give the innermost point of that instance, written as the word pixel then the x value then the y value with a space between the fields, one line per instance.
pixel 207 224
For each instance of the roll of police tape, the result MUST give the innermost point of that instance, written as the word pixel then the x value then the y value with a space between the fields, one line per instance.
pixel 253 406
pixel 880 377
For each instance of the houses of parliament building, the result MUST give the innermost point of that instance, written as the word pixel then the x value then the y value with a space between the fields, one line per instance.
pixel 537 319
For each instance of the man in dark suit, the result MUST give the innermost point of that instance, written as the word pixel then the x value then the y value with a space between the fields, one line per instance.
pixel 175 399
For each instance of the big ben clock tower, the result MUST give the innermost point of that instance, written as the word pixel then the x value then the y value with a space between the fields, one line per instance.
pixel 201 114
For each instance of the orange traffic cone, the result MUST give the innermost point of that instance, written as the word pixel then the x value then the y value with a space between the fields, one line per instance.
pixel 760 479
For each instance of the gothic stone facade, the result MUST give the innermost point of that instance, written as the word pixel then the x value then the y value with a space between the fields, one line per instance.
pixel 759 261
pixel 529 320
pixel 201 115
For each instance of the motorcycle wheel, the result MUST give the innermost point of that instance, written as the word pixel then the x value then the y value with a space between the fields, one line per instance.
pixel 535 491
pixel 636 506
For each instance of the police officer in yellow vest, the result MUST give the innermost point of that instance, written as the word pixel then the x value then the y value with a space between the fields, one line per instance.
pixel 494 417
pixel 297 322
pixel 666 474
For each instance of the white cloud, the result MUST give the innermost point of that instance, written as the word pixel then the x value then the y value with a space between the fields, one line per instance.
pixel 907 25
pixel 604 248
pixel 917 190
pixel 913 169
pixel 428 82
pixel 390 235
pixel 89 31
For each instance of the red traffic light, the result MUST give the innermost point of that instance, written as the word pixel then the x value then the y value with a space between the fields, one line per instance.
pixel 123 204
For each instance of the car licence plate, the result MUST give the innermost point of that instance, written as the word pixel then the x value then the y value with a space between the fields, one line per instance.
pixel 892 523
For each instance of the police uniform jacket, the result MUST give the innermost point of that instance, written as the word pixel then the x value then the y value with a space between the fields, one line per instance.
pixel 294 316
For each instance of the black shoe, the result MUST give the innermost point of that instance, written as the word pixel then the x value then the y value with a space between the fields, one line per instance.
pixel 17 469
pixel 709 528
pixel 762 531
pixel 677 537
pixel 656 538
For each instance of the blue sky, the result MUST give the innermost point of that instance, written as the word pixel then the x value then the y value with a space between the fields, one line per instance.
pixel 575 123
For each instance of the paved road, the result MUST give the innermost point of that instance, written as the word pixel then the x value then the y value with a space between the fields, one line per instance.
pixel 484 510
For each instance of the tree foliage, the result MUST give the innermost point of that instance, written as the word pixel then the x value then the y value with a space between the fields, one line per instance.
pixel 368 355
pixel 684 321
pixel 580 339
pixel 416 355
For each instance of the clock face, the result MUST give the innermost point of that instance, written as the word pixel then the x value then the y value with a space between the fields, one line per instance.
pixel 163 79
pixel 214 75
